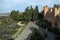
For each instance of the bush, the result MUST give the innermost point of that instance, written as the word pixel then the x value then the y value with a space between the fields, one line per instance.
pixel 36 35
pixel 7 30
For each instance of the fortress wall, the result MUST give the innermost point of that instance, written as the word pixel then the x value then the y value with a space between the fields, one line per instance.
pixel 50 15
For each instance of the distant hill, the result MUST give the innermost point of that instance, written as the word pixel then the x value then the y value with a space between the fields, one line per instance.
pixel 20 12
pixel 7 14
pixel 4 14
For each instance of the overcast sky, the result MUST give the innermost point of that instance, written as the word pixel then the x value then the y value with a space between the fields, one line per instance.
pixel 9 5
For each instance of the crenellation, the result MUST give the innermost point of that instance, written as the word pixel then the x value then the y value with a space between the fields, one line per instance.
pixel 57 11
pixel 51 10
pixel 43 8
pixel 46 10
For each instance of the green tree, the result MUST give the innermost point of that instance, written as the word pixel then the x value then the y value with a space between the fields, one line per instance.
pixel 36 12
pixel 31 12
pixel 28 14
pixel 36 35
pixel 15 15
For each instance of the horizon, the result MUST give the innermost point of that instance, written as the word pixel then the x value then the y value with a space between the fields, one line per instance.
pixel 6 6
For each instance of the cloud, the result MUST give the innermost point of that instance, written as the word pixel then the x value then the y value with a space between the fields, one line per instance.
pixel 8 5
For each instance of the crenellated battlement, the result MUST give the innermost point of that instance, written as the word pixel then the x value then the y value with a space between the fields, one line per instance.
pixel 47 9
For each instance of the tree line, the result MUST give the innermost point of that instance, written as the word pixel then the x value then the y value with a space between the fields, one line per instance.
pixel 29 14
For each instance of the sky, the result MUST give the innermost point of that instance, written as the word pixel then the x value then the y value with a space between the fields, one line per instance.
pixel 6 6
